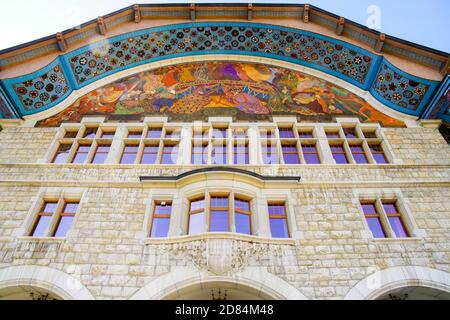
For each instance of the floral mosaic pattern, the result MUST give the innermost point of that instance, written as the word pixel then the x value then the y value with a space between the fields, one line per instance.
pixel 43 90
pixel 399 90
pixel 329 55
pixel 251 88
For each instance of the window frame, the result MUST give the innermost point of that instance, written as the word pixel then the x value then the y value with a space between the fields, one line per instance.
pixel 284 217
pixel 160 216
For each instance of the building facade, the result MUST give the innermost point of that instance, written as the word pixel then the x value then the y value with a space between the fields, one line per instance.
pixel 224 152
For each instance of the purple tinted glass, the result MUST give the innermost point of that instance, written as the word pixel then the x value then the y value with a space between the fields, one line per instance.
pixel 241 205
pixel 398 227
pixel 219 133
pixel 369 208
pixel 305 134
pixel 219 221
pixel 41 226
pixel 286 133
pixel 62 153
pixel 154 133
pixel 390 208
pixel 101 154
pixel 90 133
pixel 241 155
pixel 134 135
pixel 358 154
pixel 290 154
pixel 240 134
pixel 243 223
pixel 63 226
pixel 129 154
pixel 160 227
pixel 197 205
pixel 333 135
pixel 81 154
pixel 375 226
pixel 219 202
pixel 311 158
pixel 278 228
pixel 350 133
pixel 169 155
pixel 219 155
pixel 50 207
pixel 196 223
pixel 160 209
pixel 267 134
pixel 150 154
pixel 172 134
pixel 270 155
pixel 70 208
pixel 276 210
pixel 378 154
pixel 340 158
pixel 108 135
pixel 199 154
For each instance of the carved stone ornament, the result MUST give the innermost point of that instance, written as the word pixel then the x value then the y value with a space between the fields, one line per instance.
pixel 222 256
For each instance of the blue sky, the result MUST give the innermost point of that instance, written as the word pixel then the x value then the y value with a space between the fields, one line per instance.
pixel 426 22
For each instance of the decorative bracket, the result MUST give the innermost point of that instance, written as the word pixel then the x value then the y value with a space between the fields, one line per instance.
pixel 340 26
pixel 380 42
pixel 137 13
pixel 62 43
pixel 250 12
pixel 193 9
pixel 101 25
pixel 306 13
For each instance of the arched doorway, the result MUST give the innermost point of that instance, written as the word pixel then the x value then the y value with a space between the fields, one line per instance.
pixel 415 293
pixel 27 293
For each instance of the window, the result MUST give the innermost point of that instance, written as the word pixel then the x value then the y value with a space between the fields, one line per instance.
pixel 395 219
pixel 290 153
pixel 219 154
pixel 286 133
pixel 240 154
pixel 350 133
pixel 169 154
pixel 108 134
pixel 240 134
pixel 62 153
pixel 172 134
pixel 154 133
pixel 267 134
pixel 310 153
pixel 333 134
pixel 129 154
pixel 101 153
pixel 373 220
pixel 49 212
pixel 90 133
pixel 196 221
pixel 358 153
pixel 384 219
pixel 150 154
pixel 71 134
pixel 339 154
pixel 134 134
pixel 270 154
pixel 219 209
pixel 220 133
pixel 82 153
pixel 199 153
pixel 243 216
pixel 370 134
pixel 305 134
pixel 161 219
pixel 377 153
pixel 278 220
pixel 65 219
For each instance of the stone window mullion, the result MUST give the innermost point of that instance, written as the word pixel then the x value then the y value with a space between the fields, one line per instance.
pixel 55 218
pixel 384 219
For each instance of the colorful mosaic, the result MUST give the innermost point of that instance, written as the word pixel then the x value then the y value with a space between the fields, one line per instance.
pixel 249 88
pixel 326 54
pixel 398 89
pixel 38 92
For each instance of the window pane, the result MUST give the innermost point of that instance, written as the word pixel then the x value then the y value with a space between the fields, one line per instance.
pixel 390 208
pixel 129 154
pixel 375 226
pixel 311 158
pixel 50 207
pixel 63 226
pixel 370 134
pixel 240 154
pixel 62 153
pixel 379 158
pixel 197 205
pixel 154 133
pixel 305 134
pixel 278 228
pixel 290 154
pixel 332 135
pixel 242 223
pixel 350 133
pixel 269 154
pixel 71 134
pixel 369 208
pixel 219 202
pixel 275 209
pixel 398 227
pixel 70 208
pixel 199 154
pixel 219 221
pixel 108 135
pixel 90 133
pixel 41 226
pixel 101 154
pixel 358 154
pixel 134 135
pixel 242 205
pixel 286 133
pixel 160 209
pixel 160 227
pixel 219 155
pixel 219 133
pixel 150 154
pixel 170 154
pixel 196 223
pixel 81 154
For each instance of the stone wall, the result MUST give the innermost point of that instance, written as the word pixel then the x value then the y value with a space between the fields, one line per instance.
pixel 104 251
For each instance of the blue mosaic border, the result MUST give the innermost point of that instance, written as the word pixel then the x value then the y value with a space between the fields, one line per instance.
pixel 370 75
